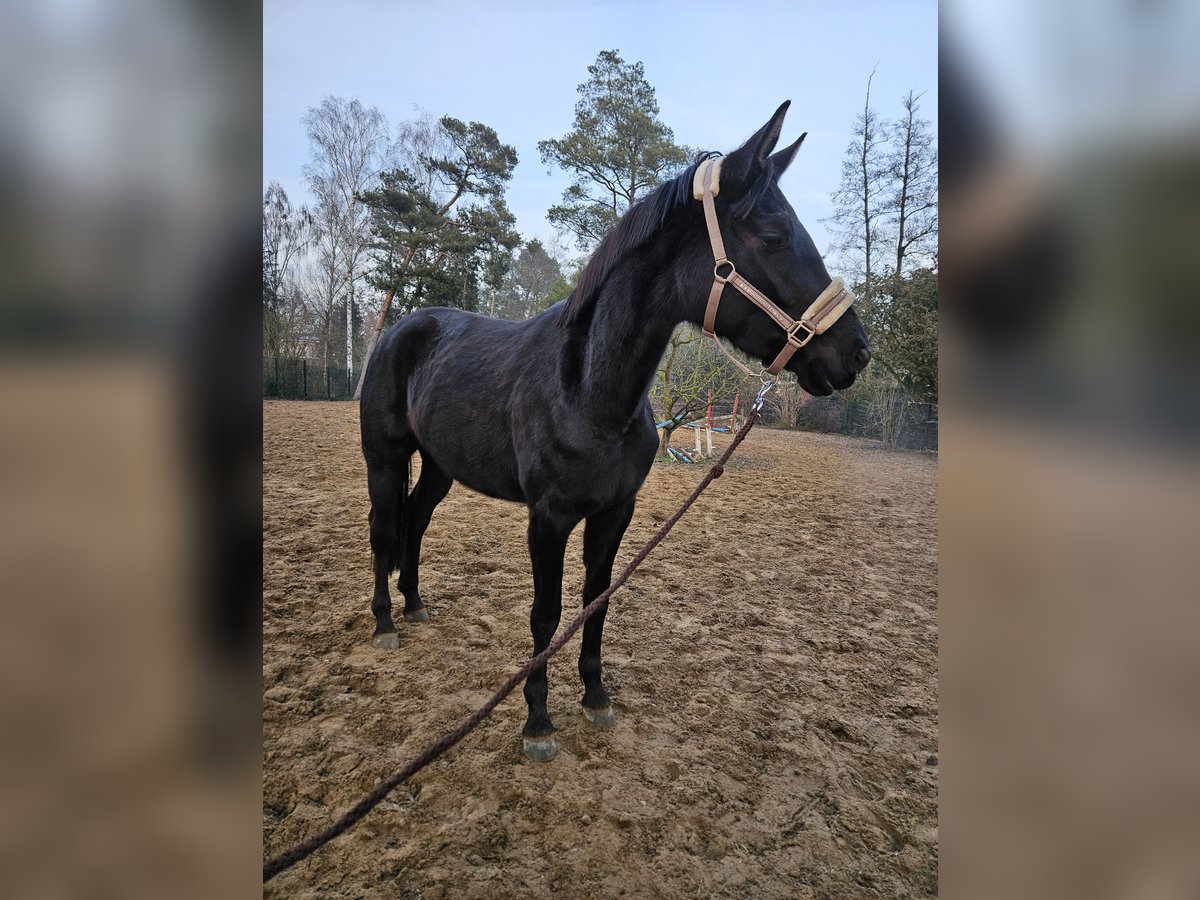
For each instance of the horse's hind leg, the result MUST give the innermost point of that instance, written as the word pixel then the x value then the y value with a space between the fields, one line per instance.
pixel 431 489
pixel 387 485
pixel 601 538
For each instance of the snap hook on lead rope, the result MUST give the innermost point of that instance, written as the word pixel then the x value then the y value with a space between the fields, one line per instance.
pixel 767 384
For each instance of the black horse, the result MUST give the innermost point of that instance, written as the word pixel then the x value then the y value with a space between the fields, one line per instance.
pixel 553 412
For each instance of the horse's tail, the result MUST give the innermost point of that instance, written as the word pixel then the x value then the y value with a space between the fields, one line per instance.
pixel 386 543
pixel 389 469
pixel 401 502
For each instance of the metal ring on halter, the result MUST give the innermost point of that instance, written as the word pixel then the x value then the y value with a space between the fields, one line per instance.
pixel 723 279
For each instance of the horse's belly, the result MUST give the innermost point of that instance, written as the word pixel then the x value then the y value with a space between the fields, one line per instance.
pixel 481 463
pixel 491 484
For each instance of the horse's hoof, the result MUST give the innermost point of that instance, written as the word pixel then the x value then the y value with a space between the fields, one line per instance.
pixel 389 640
pixel 417 615
pixel 601 718
pixel 541 749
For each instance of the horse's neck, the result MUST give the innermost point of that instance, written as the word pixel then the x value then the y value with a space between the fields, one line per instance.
pixel 630 330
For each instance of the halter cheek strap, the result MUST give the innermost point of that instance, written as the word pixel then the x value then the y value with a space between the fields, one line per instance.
pixel 817 319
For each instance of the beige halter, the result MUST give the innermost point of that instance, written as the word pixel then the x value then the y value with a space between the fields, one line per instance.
pixel 817 319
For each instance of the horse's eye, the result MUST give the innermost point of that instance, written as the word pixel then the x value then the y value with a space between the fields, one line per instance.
pixel 773 239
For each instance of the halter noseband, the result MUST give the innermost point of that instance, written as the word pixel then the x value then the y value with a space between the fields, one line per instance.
pixel 817 319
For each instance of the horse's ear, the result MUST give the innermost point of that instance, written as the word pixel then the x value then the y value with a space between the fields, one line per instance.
pixel 781 160
pixel 748 159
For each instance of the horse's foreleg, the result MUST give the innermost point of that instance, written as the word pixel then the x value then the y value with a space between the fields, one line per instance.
pixel 601 538
pixel 548 535
pixel 387 486
pixel 431 489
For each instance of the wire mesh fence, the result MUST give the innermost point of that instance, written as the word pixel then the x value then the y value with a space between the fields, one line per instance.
pixel 306 379
pixel 914 425
pixel 888 416
pixel 875 408
pixel 897 420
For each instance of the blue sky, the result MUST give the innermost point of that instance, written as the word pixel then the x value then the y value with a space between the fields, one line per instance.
pixel 719 69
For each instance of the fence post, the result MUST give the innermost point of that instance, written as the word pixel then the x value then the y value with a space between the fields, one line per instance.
pixel 305 362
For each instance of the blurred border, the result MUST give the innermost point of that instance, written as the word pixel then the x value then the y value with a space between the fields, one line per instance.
pixel 130 478
pixel 1070 201
pixel 130 175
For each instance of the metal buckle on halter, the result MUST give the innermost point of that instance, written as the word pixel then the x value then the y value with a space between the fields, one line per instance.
pixel 724 279
pixel 796 326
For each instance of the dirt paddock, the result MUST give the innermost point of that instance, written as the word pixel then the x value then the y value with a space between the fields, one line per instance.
pixel 773 667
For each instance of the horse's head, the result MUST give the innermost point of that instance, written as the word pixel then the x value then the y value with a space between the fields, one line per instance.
pixel 773 251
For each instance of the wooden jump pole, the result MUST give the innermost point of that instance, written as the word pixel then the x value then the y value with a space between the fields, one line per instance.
pixel 733 417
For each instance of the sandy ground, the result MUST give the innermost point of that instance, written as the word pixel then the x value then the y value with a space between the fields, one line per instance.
pixel 773 667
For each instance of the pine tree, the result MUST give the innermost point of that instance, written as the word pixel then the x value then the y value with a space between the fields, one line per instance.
pixel 617 150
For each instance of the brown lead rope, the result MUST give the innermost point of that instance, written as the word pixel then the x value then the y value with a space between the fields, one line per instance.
pixel 294 854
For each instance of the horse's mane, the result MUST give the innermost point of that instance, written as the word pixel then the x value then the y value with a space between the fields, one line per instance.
pixel 642 220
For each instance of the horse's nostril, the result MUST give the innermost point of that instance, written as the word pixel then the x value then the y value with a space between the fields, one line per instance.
pixel 861 358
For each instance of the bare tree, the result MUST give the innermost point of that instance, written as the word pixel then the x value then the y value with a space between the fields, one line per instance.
pixel 786 401
pixel 912 169
pixel 348 144
pixel 690 368
pixel 858 220
pixel 287 232
pixel 419 140
pixel 887 401
pixel 286 321
pixel 886 205
pixel 330 272
pixel 315 304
